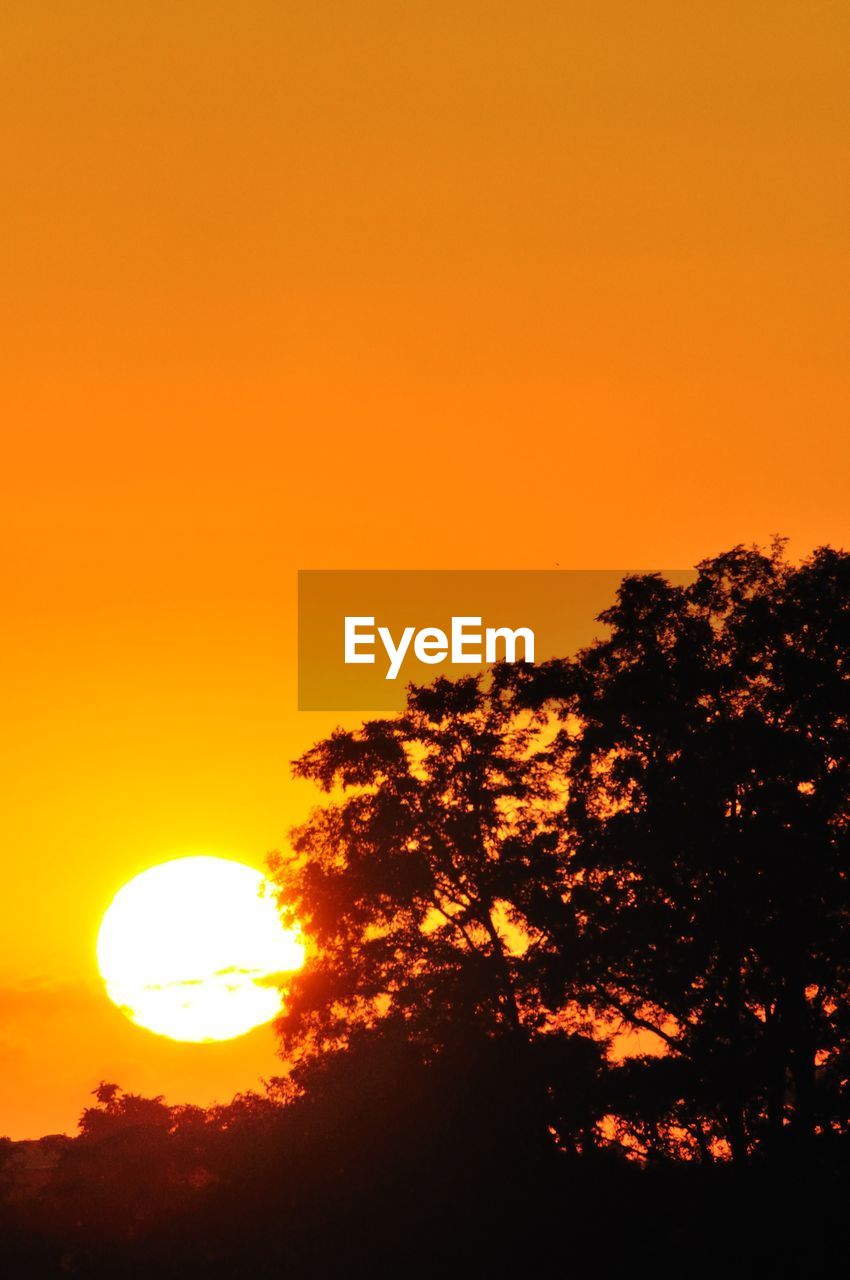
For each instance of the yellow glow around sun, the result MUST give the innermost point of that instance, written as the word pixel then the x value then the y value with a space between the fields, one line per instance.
pixel 193 949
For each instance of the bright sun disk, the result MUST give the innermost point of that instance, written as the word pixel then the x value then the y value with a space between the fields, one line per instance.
pixel 194 949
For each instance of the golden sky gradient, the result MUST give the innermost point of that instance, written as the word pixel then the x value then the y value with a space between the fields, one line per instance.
pixel 361 286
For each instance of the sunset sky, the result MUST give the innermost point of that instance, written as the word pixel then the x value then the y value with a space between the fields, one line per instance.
pixel 366 285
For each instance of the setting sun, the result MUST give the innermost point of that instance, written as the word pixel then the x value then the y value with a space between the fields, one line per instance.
pixel 193 949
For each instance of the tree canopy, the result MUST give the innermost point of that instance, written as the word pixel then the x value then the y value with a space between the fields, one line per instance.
pixel 648 836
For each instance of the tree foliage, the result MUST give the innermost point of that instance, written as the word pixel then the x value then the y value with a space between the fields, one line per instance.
pixel 651 836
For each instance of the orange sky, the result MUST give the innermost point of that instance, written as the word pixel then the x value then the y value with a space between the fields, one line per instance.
pixel 362 285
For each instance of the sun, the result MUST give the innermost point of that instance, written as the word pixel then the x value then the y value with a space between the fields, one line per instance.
pixel 194 949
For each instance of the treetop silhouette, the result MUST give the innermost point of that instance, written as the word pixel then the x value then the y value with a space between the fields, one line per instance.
pixel 651 835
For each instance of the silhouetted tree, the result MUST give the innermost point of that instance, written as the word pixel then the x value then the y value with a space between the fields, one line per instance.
pixel 649 835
